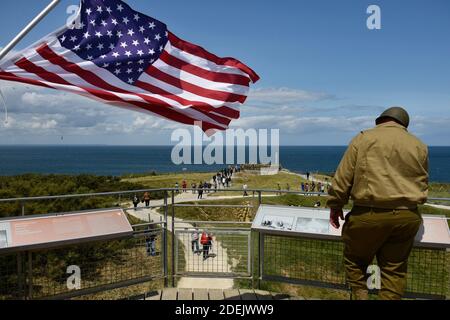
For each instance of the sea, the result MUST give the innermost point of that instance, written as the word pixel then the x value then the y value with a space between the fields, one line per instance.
pixel 125 160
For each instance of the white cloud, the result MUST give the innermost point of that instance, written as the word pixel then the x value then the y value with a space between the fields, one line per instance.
pixel 33 110
pixel 36 99
pixel 294 124
pixel 304 116
pixel 285 95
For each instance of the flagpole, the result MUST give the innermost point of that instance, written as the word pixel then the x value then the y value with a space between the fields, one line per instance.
pixel 28 28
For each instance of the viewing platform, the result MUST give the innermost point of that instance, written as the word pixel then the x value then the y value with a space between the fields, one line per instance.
pixel 147 253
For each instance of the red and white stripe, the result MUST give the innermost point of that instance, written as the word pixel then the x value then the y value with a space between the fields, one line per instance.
pixel 187 84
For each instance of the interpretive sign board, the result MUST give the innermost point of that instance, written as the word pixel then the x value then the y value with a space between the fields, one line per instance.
pixel 46 231
pixel 314 223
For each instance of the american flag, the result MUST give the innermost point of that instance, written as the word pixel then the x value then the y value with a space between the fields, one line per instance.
pixel 122 57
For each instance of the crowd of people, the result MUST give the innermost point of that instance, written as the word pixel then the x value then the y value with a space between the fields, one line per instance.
pixel 220 180
pixel 306 187
pixel 314 187
pixel 223 180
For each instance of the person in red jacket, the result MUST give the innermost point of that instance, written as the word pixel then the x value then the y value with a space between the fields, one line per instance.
pixel 205 241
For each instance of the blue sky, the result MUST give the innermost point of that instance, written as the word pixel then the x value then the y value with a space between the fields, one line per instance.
pixel 325 76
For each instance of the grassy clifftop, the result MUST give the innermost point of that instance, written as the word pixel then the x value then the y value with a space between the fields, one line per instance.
pixel 284 178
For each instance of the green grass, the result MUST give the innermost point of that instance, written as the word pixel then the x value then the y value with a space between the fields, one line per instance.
pixel 253 181
pixel 217 214
pixel 169 180
pixel 439 190
pixel 436 190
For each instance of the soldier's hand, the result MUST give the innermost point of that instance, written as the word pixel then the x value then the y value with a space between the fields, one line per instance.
pixel 335 214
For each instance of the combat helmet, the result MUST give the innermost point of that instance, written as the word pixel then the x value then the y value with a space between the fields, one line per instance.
pixel 399 114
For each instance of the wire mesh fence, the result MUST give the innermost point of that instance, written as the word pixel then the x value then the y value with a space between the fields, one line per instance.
pixel 226 253
pixel 429 272
pixel 77 270
pixel 308 260
pixel 320 262
pixel 12 276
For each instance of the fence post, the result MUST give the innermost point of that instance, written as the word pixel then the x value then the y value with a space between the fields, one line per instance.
pixel 20 268
pixel 252 257
pixel 259 198
pixel 173 238
pixel 256 254
pixel 165 246
pixel 30 276
pixel 260 258
pixel 20 276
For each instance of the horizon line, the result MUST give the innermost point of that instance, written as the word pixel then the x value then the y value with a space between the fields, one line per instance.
pixel 167 145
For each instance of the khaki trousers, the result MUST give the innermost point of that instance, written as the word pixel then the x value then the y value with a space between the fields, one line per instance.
pixel 385 234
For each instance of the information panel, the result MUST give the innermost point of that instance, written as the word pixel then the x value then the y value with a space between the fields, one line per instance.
pixel 23 233
pixel 314 223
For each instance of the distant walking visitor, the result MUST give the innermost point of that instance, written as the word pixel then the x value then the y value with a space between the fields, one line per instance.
pixel 150 242
pixel 146 199
pixel 135 201
pixel 245 187
pixel 200 190
pixel 205 241
pixel 194 242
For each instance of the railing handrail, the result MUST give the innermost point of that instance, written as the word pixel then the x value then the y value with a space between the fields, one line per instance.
pixel 213 222
pixel 81 195
pixel 125 192
pixel 117 193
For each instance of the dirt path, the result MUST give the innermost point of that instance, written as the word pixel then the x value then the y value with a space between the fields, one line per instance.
pixel 303 176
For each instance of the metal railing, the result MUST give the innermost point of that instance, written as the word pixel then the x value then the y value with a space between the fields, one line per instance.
pixel 319 262
pixel 107 265
pixel 238 253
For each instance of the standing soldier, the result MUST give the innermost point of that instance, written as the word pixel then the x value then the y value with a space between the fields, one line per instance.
pixel 385 172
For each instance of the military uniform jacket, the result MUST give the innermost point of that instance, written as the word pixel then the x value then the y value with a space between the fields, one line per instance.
pixel 384 167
